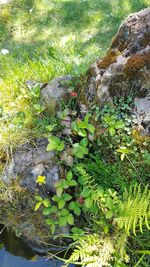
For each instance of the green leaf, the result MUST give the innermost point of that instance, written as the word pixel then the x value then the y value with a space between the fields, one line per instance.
pixel 61 146
pixel 82 124
pixel 86 192
pixel 72 205
pixel 50 147
pixel 123 150
pixel 39 108
pixel 109 214
pixel 70 219
pixel 52 229
pixel 59 191
pixel 84 142
pixel 74 126
pixel 72 183
pixel 77 211
pixel 69 175
pixel 91 128
pixel 46 203
pixel 119 124
pixel 38 198
pixel 53 209
pixel 37 206
pixel 82 132
pixel 51 127
pixel 86 118
pixel 112 131
pixel 46 211
pixel 86 151
pixel 77 230
pixel 62 221
pixel 61 203
pixel 88 202
pixel 49 221
pixel 109 203
pixel 64 212
pixel 55 198
pixel 67 197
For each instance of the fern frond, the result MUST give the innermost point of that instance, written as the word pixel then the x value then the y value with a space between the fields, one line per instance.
pixel 89 182
pixel 92 251
pixel 135 209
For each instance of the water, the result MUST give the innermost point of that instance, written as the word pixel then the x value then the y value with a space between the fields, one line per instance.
pixel 15 253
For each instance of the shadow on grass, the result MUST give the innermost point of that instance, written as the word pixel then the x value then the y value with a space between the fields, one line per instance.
pixel 30 26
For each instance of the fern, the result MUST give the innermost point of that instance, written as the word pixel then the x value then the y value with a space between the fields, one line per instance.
pixel 135 209
pixel 92 251
pixel 88 181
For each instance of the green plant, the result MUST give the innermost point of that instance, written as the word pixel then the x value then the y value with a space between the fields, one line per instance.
pixel 134 209
pixel 82 127
pixel 92 251
pixel 55 144
pixel 39 108
pixel 65 183
pixel 113 124
pixel 80 149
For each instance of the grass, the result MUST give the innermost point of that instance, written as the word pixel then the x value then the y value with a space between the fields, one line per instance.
pixel 46 39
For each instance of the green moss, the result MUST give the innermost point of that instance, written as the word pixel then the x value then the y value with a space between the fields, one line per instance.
pixel 135 64
pixel 108 59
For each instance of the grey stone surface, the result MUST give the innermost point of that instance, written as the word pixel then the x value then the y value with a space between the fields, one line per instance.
pixel 30 161
pixel 142 113
pixel 54 92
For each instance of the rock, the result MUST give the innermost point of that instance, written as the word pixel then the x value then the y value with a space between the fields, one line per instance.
pixel 125 69
pixel 54 92
pixel 28 162
pixel 142 113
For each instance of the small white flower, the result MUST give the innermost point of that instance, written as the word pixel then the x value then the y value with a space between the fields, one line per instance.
pixel 30 10
pixel 4 52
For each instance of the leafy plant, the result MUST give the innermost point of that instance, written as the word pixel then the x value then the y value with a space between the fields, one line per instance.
pixel 92 251
pixel 39 108
pixel 134 209
pixel 65 183
pixel 113 124
pixel 55 144
pixel 80 149
pixel 124 151
pixel 82 127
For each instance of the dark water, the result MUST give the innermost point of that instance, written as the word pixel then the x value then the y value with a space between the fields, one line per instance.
pixel 15 253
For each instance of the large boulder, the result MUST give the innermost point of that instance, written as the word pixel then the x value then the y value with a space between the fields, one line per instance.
pixel 126 67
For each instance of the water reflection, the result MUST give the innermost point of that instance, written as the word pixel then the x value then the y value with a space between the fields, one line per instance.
pixel 15 253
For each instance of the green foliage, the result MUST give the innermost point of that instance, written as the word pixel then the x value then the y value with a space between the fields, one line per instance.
pixel 134 209
pixel 55 144
pixel 83 127
pixel 92 251
pixel 113 124
pixel 80 149
pixel 65 183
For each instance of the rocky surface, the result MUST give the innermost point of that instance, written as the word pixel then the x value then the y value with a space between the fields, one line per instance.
pixel 30 161
pixel 54 92
pixel 125 69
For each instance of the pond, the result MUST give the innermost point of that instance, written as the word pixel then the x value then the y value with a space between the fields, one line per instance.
pixel 15 253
